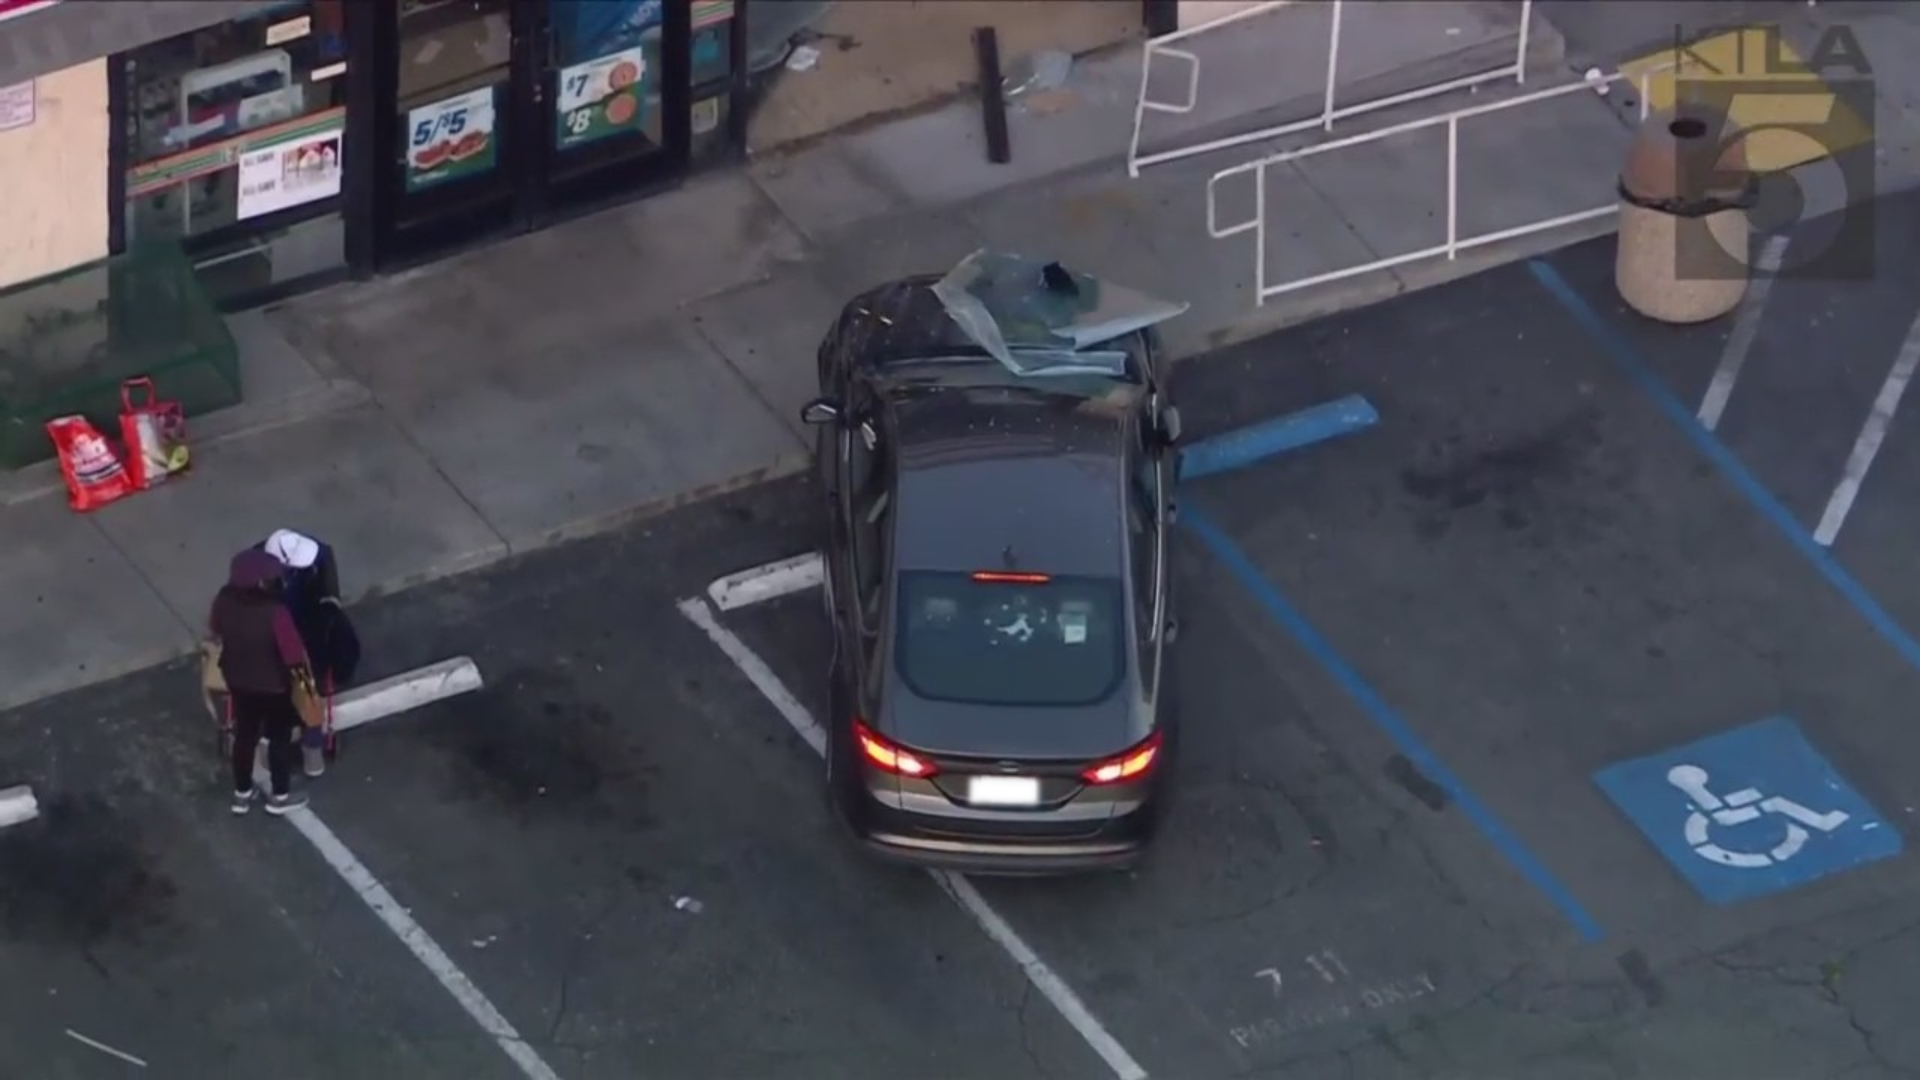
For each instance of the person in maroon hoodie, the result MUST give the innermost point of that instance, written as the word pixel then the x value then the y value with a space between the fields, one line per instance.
pixel 260 652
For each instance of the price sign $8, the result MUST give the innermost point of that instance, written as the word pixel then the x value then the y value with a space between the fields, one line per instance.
pixel 450 124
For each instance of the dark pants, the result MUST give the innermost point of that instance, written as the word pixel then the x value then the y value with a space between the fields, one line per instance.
pixel 264 715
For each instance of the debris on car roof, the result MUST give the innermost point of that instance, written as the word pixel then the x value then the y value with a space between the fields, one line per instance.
pixel 1040 318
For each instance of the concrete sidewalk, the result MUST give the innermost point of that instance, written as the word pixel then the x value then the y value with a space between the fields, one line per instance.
pixel 573 379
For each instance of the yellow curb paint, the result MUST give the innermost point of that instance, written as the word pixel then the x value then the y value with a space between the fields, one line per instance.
pixel 1813 122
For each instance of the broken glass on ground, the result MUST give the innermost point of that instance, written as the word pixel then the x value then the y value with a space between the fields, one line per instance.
pixel 1037 73
pixel 1039 318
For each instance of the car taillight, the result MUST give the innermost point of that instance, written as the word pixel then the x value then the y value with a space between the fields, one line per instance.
pixel 1131 765
pixel 1010 577
pixel 882 753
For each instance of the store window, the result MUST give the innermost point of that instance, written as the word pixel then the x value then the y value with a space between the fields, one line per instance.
pixel 712 41
pixel 237 121
pixel 240 125
pixel 606 56
pixel 711 70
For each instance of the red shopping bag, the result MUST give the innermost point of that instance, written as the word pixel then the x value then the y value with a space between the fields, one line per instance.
pixel 94 473
pixel 154 432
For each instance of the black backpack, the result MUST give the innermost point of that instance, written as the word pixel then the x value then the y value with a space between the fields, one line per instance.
pixel 339 644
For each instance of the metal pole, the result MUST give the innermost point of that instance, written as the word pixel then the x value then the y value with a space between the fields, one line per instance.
pixel 1333 67
pixel 1453 186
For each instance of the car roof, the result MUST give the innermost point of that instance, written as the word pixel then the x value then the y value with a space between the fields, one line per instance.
pixel 982 471
pixel 904 320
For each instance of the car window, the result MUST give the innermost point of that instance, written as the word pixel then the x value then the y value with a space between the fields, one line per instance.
pixel 1142 515
pixel 869 533
pixel 868 483
pixel 1052 641
pixel 1144 539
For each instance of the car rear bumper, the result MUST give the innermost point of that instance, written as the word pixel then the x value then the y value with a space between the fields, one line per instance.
pixel 933 844
pixel 1009 860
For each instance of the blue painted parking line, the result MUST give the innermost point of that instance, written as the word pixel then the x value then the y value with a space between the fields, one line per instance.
pixel 1636 369
pixel 1243 446
pixel 1390 722
pixel 1749 812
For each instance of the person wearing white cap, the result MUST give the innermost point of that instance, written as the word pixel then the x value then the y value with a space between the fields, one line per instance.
pixel 312 592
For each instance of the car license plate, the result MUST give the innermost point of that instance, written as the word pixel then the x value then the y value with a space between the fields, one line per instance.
pixel 1003 790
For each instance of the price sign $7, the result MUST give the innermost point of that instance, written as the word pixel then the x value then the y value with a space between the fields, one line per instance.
pixel 450 123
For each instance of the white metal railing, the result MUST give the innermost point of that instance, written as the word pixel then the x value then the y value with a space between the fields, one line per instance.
pixel 1455 243
pixel 1330 110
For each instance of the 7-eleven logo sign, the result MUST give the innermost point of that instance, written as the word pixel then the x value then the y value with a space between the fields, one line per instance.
pixel 10 9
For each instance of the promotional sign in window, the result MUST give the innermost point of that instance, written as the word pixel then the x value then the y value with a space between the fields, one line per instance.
pixel 601 97
pixel 301 170
pixel 450 139
pixel 17 105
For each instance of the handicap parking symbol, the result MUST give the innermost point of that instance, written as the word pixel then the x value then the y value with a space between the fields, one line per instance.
pixel 1749 812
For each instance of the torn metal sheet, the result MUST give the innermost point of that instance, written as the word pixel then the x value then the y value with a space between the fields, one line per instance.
pixel 1039 318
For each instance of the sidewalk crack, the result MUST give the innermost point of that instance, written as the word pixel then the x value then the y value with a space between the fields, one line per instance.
pixel 506 546
pixel 740 376
pixel 194 631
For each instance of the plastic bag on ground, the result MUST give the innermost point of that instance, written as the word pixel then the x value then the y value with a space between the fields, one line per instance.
pixel 94 473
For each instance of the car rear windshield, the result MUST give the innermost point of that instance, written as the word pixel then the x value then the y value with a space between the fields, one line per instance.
pixel 1058 641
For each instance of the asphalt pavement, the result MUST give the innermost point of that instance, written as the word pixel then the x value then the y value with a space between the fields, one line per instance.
pixel 1436 674
pixel 608 841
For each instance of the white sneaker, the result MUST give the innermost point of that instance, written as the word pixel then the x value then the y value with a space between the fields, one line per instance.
pixel 281 804
pixel 315 760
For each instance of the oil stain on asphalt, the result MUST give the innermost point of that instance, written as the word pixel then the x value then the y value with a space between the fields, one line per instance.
pixel 544 748
pixel 81 877
pixel 1524 480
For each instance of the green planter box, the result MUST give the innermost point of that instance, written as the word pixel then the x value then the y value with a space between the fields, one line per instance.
pixel 69 340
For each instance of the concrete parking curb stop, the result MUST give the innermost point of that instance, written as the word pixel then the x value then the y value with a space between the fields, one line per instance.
pixel 404 692
pixel 763 583
pixel 17 805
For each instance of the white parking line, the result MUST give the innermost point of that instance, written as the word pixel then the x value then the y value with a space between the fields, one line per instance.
pixel 105 1049
pixel 1746 327
pixel 1872 434
pixel 377 700
pixel 423 947
pixel 1043 978
pixel 759 674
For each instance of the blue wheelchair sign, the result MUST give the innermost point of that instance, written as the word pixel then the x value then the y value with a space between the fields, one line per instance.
pixel 1749 812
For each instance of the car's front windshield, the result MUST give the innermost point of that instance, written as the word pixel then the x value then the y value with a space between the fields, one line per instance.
pixel 1006 638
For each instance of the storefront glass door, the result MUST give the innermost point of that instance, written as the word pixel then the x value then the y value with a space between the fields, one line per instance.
pixel 454 120
pixel 508 113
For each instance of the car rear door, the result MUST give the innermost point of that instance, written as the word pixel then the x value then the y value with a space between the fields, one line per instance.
pixel 1147 540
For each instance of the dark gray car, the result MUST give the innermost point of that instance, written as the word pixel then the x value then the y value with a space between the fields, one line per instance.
pixel 997 579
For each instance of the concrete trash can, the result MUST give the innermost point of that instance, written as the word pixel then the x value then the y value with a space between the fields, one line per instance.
pixel 1684 234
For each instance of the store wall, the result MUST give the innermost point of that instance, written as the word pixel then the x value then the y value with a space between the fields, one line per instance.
pixel 53 173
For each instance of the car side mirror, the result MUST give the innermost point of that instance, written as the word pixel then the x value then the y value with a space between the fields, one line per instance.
pixel 1170 425
pixel 820 411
